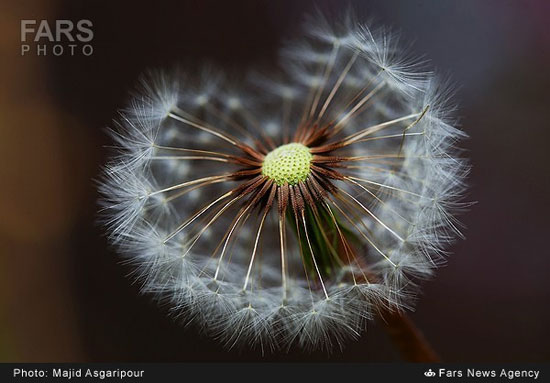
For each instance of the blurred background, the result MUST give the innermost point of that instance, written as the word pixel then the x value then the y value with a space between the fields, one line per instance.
pixel 64 296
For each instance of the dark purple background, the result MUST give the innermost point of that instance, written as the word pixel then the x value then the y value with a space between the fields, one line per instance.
pixel 64 295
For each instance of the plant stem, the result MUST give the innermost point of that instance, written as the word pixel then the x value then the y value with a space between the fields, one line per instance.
pixel 408 339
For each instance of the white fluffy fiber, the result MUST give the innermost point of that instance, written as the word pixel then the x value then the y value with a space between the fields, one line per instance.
pixel 415 197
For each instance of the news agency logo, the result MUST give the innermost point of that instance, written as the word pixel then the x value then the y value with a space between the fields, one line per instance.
pixel 429 373
pixel 62 37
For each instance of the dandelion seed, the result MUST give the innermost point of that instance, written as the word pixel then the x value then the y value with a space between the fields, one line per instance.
pixel 289 211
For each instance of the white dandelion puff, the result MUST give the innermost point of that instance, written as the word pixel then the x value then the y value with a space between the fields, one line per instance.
pixel 288 211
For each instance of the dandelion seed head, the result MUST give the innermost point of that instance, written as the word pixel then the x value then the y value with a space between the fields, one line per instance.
pixel 287 210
